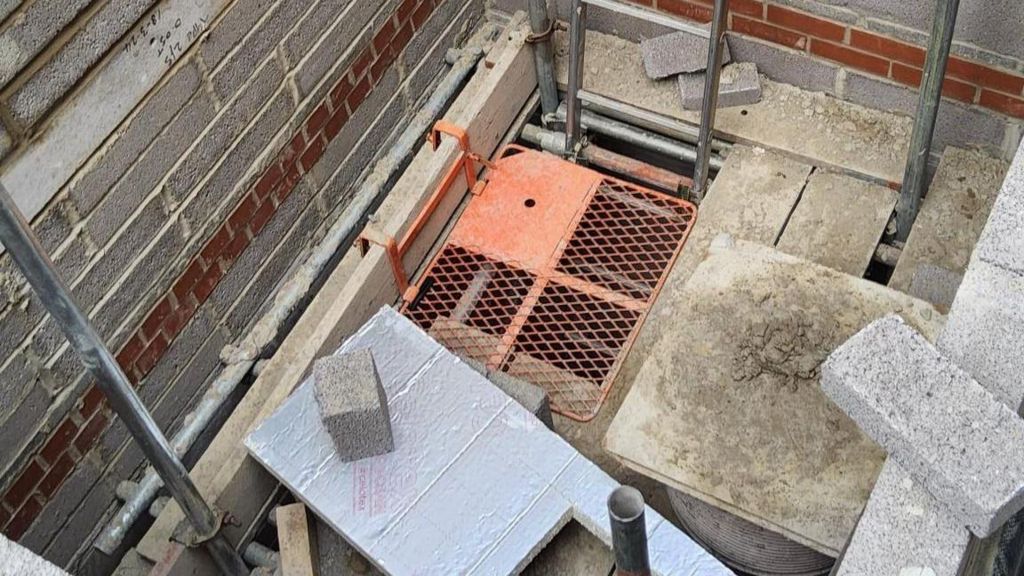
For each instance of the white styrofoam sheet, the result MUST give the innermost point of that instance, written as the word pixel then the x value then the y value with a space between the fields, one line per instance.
pixel 476 484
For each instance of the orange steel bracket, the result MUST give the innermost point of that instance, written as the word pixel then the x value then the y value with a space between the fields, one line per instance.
pixel 466 162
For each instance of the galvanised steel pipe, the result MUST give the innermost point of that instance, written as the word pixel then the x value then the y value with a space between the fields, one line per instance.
pixel 927 111
pixel 543 31
pixel 709 107
pixel 577 47
pixel 17 237
pixel 629 532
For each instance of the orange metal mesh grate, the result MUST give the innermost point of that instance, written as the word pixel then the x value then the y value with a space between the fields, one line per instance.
pixel 549 273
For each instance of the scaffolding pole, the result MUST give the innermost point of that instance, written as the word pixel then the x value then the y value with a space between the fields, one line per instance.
pixel 927 111
pixel 18 238
pixel 712 79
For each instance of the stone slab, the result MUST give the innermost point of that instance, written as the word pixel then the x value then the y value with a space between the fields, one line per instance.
pixel 814 127
pixel 740 86
pixel 838 222
pixel 726 406
pixel 963 445
pixel 904 530
pixel 475 485
pixel 985 329
pixel 677 53
pixel 353 405
pixel 751 199
pixel 952 215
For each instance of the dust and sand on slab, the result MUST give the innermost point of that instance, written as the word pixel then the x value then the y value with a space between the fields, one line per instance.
pixel 812 125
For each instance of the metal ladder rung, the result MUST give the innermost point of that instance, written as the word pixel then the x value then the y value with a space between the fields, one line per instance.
pixel 651 16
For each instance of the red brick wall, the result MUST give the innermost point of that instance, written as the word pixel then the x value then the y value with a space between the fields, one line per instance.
pixel 77 434
pixel 966 81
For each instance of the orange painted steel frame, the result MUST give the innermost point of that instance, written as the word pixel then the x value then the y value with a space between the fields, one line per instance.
pixel 537 249
pixel 396 250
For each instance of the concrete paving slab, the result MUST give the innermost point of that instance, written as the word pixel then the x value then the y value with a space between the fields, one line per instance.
pixel 838 222
pixel 985 329
pixel 469 466
pixel 963 445
pixel 952 215
pixel 21 561
pixel 904 530
pixel 740 86
pixel 812 126
pixel 677 53
pixel 727 408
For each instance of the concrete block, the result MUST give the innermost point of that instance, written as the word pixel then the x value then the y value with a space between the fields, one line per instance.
pixel 143 177
pixel 146 223
pixel 64 69
pixel 784 64
pixel 935 284
pixel 133 137
pixel 31 31
pixel 904 530
pixel 17 376
pixel 5 141
pixel 353 405
pixel 740 86
pixel 984 331
pixel 227 182
pixel 257 46
pixel 20 560
pixel 341 44
pixel 336 556
pixel 957 125
pixel 311 28
pixel 528 395
pixel 53 226
pixel 77 128
pixel 963 445
pixel 24 421
pixel 144 283
pixel 677 53
pixel 234 117
pixel 1002 243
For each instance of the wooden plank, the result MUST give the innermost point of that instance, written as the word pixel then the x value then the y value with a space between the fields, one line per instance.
pixel 296 536
pixel 359 287
pixel 838 222
pixel 952 215
pixel 727 407
pixel 811 126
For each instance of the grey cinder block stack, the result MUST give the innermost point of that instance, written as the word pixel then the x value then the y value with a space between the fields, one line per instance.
pixel 353 405
pixel 959 442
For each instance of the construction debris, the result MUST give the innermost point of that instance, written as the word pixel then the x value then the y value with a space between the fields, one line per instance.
pixel 740 85
pixel 956 439
pixel 475 485
pixel 677 53
pixel 904 530
pixel 353 406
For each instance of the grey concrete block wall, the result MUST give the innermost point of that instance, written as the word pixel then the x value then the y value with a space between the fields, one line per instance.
pixel 145 204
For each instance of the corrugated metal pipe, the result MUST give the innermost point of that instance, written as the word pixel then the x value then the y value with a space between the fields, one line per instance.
pixel 241 357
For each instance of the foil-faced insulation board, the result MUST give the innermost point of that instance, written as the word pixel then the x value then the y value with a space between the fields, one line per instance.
pixel 475 485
